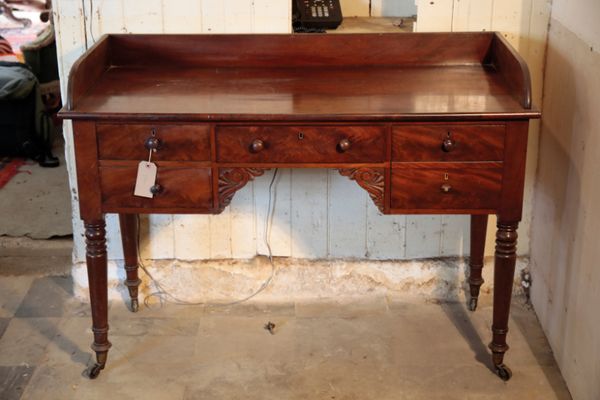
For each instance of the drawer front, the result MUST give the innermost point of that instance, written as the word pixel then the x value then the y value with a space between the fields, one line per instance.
pixel 448 143
pixel 452 187
pixel 301 144
pixel 175 142
pixel 181 188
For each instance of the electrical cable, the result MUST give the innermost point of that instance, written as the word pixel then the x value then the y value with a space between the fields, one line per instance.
pixel 165 296
pixel 90 20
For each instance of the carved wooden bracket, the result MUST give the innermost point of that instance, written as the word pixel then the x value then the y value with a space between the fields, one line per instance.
pixel 370 179
pixel 233 179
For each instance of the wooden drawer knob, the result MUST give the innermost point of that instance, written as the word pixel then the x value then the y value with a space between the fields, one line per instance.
pixel 448 144
pixel 257 145
pixel 152 143
pixel 344 145
pixel 156 189
pixel 446 188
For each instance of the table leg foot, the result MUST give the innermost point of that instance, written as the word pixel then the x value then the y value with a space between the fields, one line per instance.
pixel 135 305
pixel 472 304
pixel 501 369
pixel 95 369
pixel 132 286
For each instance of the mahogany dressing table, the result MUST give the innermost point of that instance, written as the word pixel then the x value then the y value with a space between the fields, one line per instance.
pixel 426 123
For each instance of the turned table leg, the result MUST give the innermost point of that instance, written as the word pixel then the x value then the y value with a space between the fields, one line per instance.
pixel 504 271
pixel 478 231
pixel 95 234
pixel 129 238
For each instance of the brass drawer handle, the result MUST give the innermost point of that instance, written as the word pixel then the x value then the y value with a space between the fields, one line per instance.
pixel 446 188
pixel 448 144
pixel 156 189
pixel 344 145
pixel 257 145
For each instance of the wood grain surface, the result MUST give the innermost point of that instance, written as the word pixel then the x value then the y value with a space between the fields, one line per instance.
pixel 176 142
pixel 182 188
pixel 470 142
pixel 302 144
pixel 441 76
pixel 474 186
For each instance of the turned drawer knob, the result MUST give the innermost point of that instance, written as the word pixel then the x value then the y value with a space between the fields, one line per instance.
pixel 156 189
pixel 448 144
pixel 257 145
pixel 152 143
pixel 344 145
pixel 445 188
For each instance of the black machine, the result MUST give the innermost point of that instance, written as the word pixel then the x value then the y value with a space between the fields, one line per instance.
pixel 317 14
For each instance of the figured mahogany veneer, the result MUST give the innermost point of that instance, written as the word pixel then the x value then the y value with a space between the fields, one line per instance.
pixel 454 186
pixel 181 187
pixel 175 142
pixel 425 123
pixel 448 142
pixel 302 144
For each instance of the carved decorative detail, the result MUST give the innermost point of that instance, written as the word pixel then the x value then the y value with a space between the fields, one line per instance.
pixel 95 239
pixel 370 179
pixel 233 179
pixel 506 241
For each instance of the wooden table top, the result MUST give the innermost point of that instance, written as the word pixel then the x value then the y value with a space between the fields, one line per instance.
pixel 368 93
pixel 383 77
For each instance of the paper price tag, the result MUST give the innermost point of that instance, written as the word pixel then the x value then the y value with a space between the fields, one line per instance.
pixel 146 178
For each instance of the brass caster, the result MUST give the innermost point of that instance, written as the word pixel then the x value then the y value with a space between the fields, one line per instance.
pixel 503 372
pixel 472 304
pixel 135 305
pixel 94 371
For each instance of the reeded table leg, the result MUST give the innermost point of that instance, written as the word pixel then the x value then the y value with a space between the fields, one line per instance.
pixel 95 234
pixel 129 238
pixel 504 271
pixel 478 231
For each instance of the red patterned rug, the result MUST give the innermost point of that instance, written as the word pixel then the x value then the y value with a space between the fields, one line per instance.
pixel 9 167
pixel 16 34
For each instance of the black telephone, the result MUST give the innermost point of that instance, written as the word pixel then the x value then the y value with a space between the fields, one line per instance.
pixel 317 14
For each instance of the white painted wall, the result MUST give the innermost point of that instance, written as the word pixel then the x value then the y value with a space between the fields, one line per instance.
pixel 378 8
pixel 582 17
pixel 319 214
pixel 566 220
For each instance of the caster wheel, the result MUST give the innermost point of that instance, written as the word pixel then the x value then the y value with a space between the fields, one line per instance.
pixel 94 371
pixel 135 305
pixel 473 304
pixel 503 372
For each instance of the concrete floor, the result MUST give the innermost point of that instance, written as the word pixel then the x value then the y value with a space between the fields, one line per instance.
pixel 37 202
pixel 364 349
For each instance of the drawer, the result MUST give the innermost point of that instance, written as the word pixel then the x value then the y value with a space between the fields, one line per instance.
pixel 451 187
pixel 301 144
pixel 182 187
pixel 448 143
pixel 175 142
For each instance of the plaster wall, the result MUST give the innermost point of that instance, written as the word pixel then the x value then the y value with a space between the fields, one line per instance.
pixel 566 219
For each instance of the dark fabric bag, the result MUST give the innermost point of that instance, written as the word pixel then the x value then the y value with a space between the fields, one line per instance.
pixel 25 130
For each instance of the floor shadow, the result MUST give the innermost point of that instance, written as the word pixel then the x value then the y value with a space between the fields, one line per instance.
pixel 526 320
pixel 457 312
pixel 52 298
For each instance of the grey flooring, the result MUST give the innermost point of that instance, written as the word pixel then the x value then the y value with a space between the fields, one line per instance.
pixel 37 203
pixel 373 348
